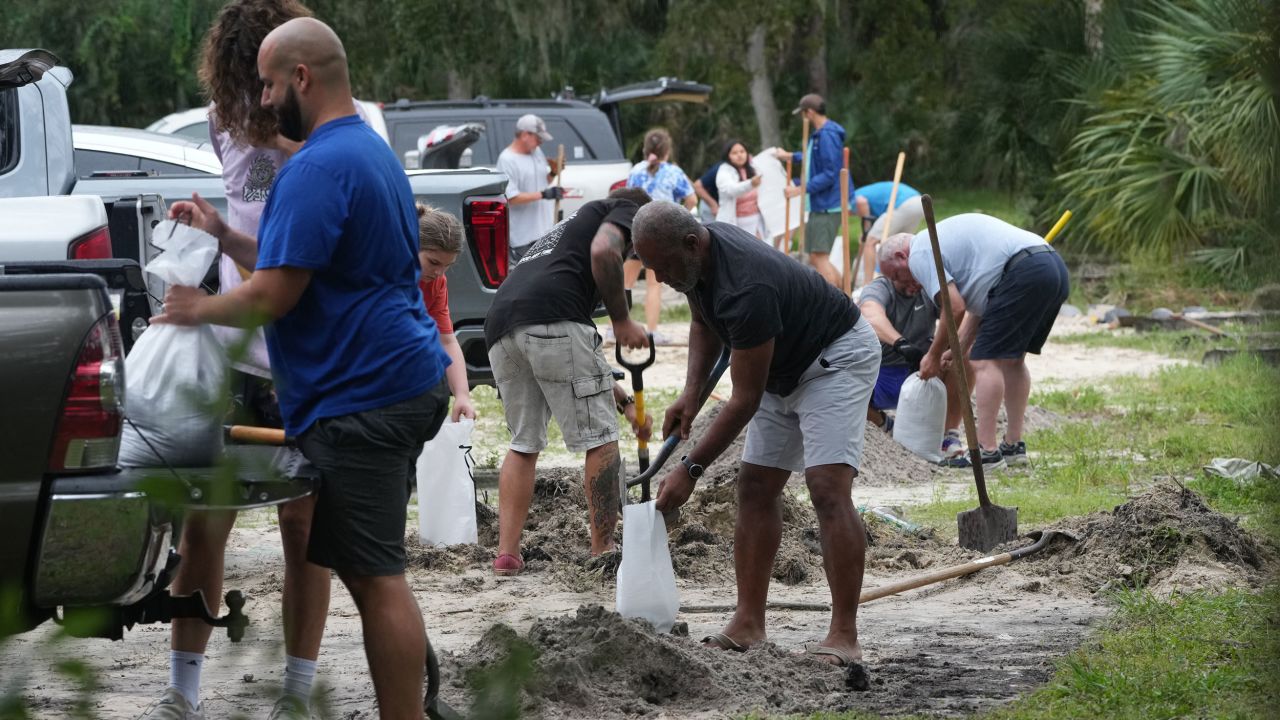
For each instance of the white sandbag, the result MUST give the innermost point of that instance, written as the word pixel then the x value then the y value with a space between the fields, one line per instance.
pixel 922 416
pixel 646 579
pixel 769 196
pixel 174 375
pixel 446 493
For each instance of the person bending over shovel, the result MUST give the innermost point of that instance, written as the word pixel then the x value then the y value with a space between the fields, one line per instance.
pixel 545 353
pixel 803 364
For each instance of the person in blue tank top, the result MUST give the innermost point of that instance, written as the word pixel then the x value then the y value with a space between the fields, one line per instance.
pixel 357 361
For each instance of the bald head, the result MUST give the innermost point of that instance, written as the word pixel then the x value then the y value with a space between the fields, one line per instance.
pixel 304 77
pixel 671 242
pixel 308 42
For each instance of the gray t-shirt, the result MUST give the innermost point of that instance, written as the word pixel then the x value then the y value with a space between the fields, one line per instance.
pixel 527 173
pixel 912 315
pixel 975 248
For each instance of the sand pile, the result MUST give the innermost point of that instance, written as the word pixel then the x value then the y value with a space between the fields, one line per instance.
pixel 595 664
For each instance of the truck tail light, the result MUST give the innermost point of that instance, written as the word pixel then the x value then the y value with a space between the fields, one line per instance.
pixel 620 184
pixel 88 434
pixel 486 222
pixel 95 245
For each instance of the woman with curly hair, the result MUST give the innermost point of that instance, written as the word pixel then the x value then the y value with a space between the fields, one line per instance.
pixel 247 139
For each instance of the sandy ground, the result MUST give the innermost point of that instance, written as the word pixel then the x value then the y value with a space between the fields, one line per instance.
pixel 950 649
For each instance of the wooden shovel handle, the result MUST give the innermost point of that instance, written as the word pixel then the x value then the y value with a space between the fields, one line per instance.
pixel 937 576
pixel 957 355
pixel 258 435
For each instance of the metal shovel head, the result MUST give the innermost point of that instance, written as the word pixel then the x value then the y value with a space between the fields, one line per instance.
pixel 987 526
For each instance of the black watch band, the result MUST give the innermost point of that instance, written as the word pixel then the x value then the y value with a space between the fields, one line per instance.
pixel 694 469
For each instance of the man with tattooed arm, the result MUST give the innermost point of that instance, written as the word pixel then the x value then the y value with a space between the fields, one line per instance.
pixel 547 361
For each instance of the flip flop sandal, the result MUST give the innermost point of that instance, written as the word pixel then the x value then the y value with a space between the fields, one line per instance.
pixel 856 677
pixel 720 641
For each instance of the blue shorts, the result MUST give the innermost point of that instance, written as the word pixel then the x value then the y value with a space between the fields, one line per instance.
pixel 889 386
pixel 1021 308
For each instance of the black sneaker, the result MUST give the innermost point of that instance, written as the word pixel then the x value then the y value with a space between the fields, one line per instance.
pixel 991 460
pixel 1014 453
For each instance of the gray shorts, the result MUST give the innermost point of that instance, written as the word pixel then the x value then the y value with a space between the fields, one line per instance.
pixel 820 231
pixel 555 370
pixel 906 218
pixel 822 421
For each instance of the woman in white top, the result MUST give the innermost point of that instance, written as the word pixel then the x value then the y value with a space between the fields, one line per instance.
pixel 738 184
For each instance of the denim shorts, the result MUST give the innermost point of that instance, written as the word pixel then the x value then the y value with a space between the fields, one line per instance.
pixel 367 463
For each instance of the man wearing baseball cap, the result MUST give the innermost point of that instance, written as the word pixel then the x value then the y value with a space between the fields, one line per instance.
pixel 530 194
pixel 826 158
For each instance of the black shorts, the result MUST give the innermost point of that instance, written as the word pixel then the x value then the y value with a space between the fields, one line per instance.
pixel 367 463
pixel 1022 307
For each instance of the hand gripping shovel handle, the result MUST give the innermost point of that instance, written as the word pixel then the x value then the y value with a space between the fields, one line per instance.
pixel 637 387
pixel 669 445
pixel 957 356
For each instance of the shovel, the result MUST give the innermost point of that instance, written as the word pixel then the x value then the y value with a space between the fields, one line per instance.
pixel 669 445
pixel 637 387
pixel 989 524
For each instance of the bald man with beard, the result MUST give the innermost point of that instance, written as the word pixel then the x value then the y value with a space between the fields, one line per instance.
pixel 358 364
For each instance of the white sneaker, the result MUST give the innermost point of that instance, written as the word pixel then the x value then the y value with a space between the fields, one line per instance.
pixel 289 707
pixel 172 705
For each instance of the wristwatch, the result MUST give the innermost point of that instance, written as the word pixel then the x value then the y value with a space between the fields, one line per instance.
pixel 622 406
pixel 695 470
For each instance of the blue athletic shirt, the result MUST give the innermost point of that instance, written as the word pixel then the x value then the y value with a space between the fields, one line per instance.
pixel 359 337
pixel 877 195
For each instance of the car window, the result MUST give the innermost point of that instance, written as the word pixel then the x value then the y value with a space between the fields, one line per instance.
pixel 89 162
pixel 568 131
pixel 164 168
pixel 197 131
pixel 8 129
pixel 404 136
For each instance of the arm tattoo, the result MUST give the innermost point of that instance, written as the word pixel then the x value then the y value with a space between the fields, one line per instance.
pixel 607 270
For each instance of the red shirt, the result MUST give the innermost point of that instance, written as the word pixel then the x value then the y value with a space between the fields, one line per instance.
pixel 436 297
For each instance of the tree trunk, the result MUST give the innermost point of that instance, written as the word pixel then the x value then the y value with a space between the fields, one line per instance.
pixel 817 53
pixel 762 90
pixel 459 85
pixel 1093 27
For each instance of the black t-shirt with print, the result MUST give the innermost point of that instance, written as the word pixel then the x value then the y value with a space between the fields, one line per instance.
pixel 756 293
pixel 553 281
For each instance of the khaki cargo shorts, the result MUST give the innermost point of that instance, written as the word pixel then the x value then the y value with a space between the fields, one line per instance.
pixel 558 370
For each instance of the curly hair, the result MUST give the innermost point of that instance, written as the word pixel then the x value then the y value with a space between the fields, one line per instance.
pixel 229 66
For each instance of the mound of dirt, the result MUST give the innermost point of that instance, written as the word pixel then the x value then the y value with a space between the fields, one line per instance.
pixel 596 664
pixel 1166 540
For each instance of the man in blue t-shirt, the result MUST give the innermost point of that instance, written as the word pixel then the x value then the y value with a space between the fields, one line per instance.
pixel 357 362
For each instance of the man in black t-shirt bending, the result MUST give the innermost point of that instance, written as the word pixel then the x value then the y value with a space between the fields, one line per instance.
pixel 803 364
pixel 546 359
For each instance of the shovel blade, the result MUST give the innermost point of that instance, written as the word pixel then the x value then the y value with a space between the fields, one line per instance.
pixel 987 526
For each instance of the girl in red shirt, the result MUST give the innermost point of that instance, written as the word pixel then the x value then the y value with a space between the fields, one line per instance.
pixel 440 240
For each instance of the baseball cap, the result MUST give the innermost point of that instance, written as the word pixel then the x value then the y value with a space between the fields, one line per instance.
pixel 532 123
pixel 812 101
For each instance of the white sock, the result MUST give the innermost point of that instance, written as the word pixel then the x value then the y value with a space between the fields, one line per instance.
pixel 299 673
pixel 184 674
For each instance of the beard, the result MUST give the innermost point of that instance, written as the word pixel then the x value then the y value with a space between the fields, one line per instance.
pixel 289 117
pixel 692 267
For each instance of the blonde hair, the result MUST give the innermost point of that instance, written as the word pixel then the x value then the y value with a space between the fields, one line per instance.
pixel 438 230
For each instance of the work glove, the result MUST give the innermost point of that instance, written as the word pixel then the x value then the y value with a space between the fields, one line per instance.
pixel 553 193
pixel 912 354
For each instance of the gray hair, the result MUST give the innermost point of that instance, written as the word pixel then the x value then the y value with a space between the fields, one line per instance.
pixel 894 243
pixel 438 230
pixel 665 220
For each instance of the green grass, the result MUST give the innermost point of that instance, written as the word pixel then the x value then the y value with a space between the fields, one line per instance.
pixel 1125 433
pixel 955 201
pixel 1190 344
